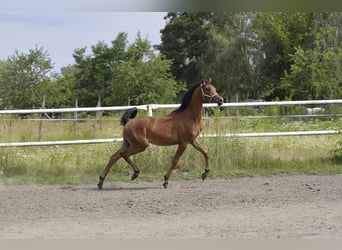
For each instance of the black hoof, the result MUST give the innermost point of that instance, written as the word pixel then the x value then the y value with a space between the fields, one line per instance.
pixel 100 184
pixel 166 181
pixel 205 174
pixel 135 174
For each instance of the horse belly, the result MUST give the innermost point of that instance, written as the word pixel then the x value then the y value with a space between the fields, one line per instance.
pixel 163 138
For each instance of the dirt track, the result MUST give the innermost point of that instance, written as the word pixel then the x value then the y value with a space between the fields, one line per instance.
pixel 260 207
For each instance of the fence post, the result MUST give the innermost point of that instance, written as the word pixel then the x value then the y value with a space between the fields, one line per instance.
pixel 41 120
pixel 150 109
pixel 98 116
pixel 75 117
pixel 237 113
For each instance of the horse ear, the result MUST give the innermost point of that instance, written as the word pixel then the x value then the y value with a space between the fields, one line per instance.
pixel 203 81
pixel 210 81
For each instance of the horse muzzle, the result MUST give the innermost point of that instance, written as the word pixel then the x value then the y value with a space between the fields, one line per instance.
pixel 218 99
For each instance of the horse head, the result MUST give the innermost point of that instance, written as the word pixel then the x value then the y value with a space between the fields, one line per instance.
pixel 209 93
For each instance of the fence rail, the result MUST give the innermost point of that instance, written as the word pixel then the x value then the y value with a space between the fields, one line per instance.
pixel 149 108
pixel 229 135
pixel 68 110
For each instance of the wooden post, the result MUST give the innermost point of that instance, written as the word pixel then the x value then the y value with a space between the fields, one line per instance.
pixel 237 113
pixel 41 120
pixel 228 112
pixel 98 117
pixel 75 117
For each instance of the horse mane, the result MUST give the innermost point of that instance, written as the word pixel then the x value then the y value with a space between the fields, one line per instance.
pixel 186 99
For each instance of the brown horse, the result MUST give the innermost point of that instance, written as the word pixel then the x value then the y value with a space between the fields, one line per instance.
pixel 181 127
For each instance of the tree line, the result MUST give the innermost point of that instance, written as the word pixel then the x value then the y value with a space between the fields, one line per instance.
pixel 271 56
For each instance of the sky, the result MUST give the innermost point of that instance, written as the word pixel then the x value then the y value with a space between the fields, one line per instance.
pixel 61 32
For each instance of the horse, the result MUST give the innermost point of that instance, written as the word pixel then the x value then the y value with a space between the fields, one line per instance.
pixel 181 127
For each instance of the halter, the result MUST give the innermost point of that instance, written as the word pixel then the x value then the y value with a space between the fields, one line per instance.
pixel 204 95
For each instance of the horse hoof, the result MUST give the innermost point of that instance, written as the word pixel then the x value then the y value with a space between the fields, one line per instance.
pixel 165 184
pixel 135 175
pixel 205 174
pixel 100 184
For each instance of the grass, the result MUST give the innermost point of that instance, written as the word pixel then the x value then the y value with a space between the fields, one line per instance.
pixel 229 157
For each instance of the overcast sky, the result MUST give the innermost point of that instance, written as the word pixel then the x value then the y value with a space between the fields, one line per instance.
pixel 60 33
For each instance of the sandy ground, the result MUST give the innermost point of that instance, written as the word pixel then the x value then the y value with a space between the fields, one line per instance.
pixel 285 207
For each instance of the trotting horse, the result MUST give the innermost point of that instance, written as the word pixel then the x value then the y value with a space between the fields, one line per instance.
pixel 181 127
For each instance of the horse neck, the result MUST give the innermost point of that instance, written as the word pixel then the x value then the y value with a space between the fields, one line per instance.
pixel 194 110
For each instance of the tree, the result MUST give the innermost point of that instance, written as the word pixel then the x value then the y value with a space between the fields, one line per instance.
pixel 278 35
pixel 314 75
pixel 142 78
pixel 95 70
pixel 59 90
pixel 316 66
pixel 3 66
pixel 22 76
pixel 229 58
pixel 123 73
pixel 184 40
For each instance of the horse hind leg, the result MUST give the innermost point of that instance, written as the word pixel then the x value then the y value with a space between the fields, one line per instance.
pixel 113 159
pixel 136 170
pixel 132 150
pixel 125 152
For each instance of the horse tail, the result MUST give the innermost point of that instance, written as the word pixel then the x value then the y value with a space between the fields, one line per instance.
pixel 129 114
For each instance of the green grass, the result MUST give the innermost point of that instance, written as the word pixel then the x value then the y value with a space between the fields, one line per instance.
pixel 229 157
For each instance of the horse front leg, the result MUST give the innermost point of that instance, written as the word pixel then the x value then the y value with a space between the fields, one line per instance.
pixel 180 150
pixel 204 152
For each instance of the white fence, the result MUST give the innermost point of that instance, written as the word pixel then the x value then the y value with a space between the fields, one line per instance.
pixel 149 108
pixel 68 110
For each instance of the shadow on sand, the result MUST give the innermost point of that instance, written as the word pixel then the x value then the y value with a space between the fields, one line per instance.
pixel 111 187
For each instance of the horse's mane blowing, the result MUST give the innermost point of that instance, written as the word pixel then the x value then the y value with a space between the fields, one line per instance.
pixel 186 99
